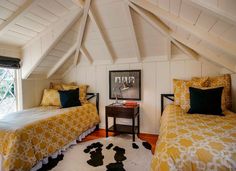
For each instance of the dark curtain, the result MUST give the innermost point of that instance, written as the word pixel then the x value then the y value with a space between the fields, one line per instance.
pixel 9 62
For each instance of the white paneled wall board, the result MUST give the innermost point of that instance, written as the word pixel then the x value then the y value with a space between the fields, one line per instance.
pixel 156 79
pixel 33 97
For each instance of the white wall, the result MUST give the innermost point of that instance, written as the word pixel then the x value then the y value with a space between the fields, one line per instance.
pixel 156 79
pixel 32 91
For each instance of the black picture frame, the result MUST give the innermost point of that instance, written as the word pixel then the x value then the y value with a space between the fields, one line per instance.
pixel 125 84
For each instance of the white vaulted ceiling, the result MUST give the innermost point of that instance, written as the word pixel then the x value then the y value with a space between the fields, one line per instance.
pixel 51 36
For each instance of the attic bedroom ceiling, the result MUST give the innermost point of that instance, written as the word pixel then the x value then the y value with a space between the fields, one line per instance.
pixel 51 36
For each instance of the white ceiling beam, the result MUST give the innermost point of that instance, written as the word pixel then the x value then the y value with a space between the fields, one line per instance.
pixel 208 54
pixel 84 52
pixel 216 11
pixel 105 40
pixel 53 44
pixel 132 31
pixel 20 12
pixel 165 30
pixel 186 46
pixel 103 35
pixel 81 30
pixel 62 60
pixel 214 40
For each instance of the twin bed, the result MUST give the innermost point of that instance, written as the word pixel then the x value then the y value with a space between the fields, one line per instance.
pixel 28 137
pixel 195 142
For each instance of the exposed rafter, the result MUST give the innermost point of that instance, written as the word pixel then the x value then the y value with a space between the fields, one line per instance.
pixel 165 30
pixel 62 60
pixel 224 15
pixel 4 27
pixel 51 46
pixel 103 35
pixel 204 52
pixel 80 3
pixel 132 30
pixel 84 51
pixel 214 40
pixel 184 44
pixel 81 30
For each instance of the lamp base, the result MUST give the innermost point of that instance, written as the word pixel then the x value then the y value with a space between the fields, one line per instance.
pixel 117 104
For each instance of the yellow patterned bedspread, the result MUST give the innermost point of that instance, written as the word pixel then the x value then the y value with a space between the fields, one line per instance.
pixel 28 136
pixel 195 142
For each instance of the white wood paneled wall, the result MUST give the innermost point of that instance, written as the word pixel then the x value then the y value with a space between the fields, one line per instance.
pixel 156 79
pixel 32 91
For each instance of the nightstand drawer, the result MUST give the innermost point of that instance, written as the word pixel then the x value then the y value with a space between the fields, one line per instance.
pixel 121 112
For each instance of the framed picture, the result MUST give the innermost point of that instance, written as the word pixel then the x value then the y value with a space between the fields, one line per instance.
pixel 125 84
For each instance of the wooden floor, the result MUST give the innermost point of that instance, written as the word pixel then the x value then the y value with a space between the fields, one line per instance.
pixel 151 139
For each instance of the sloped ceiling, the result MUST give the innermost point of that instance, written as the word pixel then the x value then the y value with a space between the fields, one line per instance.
pixel 48 32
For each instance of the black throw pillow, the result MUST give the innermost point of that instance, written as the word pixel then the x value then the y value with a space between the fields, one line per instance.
pixel 69 98
pixel 206 101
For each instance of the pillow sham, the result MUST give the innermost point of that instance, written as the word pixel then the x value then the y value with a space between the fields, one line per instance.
pixel 181 91
pixel 58 86
pixel 222 81
pixel 69 98
pixel 50 98
pixel 82 91
pixel 205 101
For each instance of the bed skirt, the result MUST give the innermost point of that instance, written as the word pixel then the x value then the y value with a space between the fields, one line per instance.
pixel 63 149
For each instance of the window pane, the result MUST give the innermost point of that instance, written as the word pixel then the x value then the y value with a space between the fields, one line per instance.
pixel 7 91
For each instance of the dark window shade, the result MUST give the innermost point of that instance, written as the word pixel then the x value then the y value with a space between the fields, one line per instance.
pixel 9 62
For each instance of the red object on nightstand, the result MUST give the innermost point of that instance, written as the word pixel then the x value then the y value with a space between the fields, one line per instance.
pixel 130 103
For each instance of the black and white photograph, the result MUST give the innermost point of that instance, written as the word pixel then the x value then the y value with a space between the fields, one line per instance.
pixel 125 84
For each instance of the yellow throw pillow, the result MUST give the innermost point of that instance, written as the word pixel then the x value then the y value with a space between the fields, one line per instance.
pixel 58 86
pixel 82 91
pixel 51 97
pixel 181 91
pixel 223 81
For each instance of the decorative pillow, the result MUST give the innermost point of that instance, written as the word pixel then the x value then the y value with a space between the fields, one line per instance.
pixel 82 91
pixel 181 91
pixel 58 86
pixel 206 101
pixel 205 84
pixel 69 98
pixel 222 81
pixel 50 98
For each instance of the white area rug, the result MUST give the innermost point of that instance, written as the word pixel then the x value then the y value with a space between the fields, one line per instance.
pixel 128 158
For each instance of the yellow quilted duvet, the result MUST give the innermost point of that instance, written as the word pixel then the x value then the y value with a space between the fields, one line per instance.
pixel 195 142
pixel 29 136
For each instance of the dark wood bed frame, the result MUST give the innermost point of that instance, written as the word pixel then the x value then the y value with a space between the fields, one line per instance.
pixel 94 95
pixel 167 96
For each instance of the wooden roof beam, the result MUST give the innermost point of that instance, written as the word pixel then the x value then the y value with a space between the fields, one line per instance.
pixel 207 54
pixel 165 30
pixel 214 40
pixel 187 47
pixel 132 30
pixel 219 13
pixel 103 35
pixel 80 3
pixel 81 30
pixel 62 60
pixel 52 45
pixel 85 52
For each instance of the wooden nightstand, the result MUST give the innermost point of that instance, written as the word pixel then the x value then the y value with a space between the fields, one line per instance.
pixel 128 112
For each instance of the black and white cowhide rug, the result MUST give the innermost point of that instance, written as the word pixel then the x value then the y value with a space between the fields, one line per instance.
pixel 117 153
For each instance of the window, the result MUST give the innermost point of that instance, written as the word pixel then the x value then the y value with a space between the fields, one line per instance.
pixel 8 91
